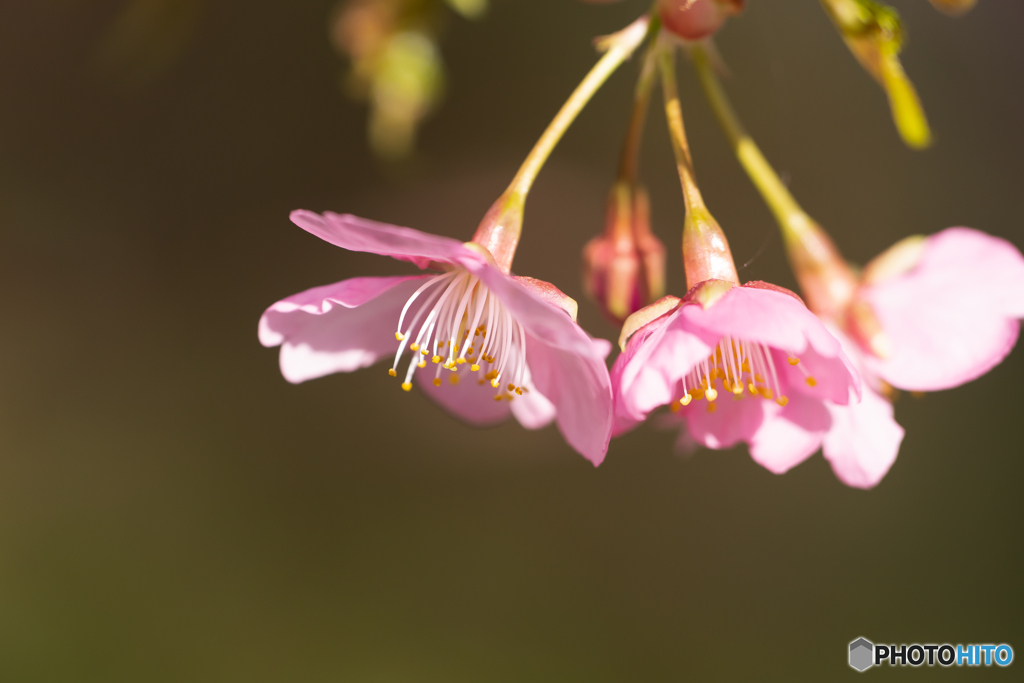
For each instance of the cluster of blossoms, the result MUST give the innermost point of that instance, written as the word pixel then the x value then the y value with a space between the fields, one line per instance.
pixel 733 362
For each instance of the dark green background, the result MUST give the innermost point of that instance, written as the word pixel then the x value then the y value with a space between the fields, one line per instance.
pixel 172 510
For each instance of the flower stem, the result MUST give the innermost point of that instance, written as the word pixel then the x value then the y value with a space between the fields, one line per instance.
pixel 620 47
pixel 787 211
pixel 630 158
pixel 706 253
pixel 500 229
pixel 824 276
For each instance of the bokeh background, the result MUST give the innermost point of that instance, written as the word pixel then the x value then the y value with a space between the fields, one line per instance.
pixel 172 510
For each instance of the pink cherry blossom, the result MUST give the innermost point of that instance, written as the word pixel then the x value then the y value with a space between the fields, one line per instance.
pixel 950 317
pixel 940 312
pixel 480 342
pixel 863 440
pixel 739 364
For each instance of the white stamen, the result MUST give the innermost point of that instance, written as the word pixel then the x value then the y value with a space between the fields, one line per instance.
pixel 759 378
pixel 452 307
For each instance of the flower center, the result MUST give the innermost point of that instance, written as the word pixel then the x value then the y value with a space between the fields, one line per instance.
pixel 454 321
pixel 745 369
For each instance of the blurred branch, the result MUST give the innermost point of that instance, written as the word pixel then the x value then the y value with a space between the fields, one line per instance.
pixel 395 63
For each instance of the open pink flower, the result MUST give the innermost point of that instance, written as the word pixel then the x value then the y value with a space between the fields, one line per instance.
pixel 739 364
pixel 482 343
pixel 930 313
pixel 948 306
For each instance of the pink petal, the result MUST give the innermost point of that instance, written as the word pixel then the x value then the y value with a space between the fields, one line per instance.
pixel 730 423
pixel 766 316
pixel 579 388
pixel 779 319
pixel 863 441
pixel 360 234
pixel 533 410
pixel 789 435
pixel 468 400
pixel 656 358
pixel 954 316
pixel 541 319
pixel 337 328
pixel 832 378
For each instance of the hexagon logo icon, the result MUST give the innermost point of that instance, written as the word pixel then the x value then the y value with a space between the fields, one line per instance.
pixel 862 654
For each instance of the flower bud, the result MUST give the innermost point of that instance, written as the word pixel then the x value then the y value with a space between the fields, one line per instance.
pixel 624 268
pixel 697 19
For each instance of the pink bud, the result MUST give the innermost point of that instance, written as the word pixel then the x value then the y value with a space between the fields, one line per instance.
pixel 697 19
pixel 624 269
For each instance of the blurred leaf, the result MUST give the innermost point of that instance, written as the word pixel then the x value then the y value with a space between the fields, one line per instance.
pixel 874 34
pixel 471 9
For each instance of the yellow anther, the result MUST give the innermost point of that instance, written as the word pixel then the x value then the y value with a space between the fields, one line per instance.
pixel 492 374
pixel 424 352
pixel 460 361
pixel 422 364
pixel 495 383
pixel 794 361
pixel 414 347
pixel 767 393
pixel 711 394
pixel 519 390
pixel 392 372
pixel 511 387
pixel 782 400
pixel 685 400
pixel 470 351
pixel 675 407
pixel 407 386
pixel 498 397
pixel 712 407
pixel 399 336
pixel 752 388
pixel 453 379
pixel 737 389
pixel 474 367
pixel 436 359
pixel 746 366
pixel 759 378
pixel 481 382
pixel 811 382
pixel 437 381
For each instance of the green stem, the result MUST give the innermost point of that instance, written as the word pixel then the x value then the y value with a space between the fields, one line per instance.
pixel 622 46
pixel 827 281
pixel 630 160
pixel 677 129
pixel 500 229
pixel 779 199
pixel 706 253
